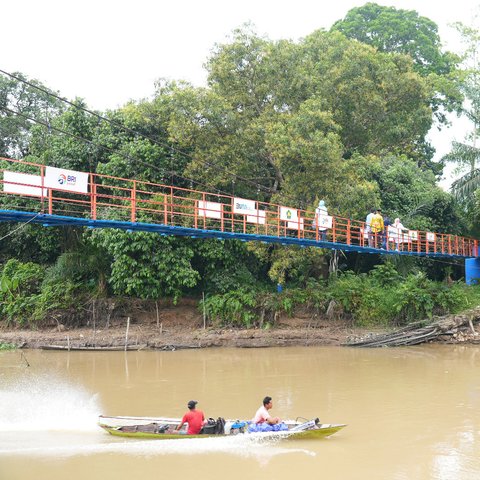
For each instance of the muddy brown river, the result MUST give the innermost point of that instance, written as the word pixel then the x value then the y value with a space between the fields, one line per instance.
pixel 412 413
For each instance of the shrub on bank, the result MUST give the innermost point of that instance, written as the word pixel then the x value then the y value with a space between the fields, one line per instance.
pixel 367 300
pixel 29 296
pixel 26 296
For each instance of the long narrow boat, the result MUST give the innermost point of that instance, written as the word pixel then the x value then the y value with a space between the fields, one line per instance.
pixel 163 428
pixel 92 348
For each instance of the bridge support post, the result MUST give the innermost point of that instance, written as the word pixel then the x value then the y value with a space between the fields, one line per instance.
pixel 472 270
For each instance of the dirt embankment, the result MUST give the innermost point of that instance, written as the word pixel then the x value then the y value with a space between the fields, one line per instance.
pixel 169 327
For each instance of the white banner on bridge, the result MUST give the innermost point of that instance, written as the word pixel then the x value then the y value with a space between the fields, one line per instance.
pixel 210 209
pixel 413 235
pixel 23 183
pixel 258 217
pixel 396 235
pixel 288 214
pixel 430 237
pixel 70 180
pixel 325 221
pixel 295 225
pixel 244 207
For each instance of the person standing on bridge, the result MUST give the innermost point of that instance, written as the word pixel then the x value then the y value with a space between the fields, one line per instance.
pixel 368 227
pixel 386 223
pixel 377 227
pixel 321 211
pixel 399 232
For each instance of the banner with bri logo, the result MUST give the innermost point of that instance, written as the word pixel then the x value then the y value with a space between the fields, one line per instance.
pixel 70 180
pixel 244 206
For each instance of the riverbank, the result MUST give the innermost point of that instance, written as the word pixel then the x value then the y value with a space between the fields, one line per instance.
pixel 144 337
pixel 172 327
pixel 294 332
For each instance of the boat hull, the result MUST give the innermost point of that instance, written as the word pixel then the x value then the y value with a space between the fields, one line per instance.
pixel 148 428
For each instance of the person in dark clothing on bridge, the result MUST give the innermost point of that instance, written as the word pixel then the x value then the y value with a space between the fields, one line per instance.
pixel 386 223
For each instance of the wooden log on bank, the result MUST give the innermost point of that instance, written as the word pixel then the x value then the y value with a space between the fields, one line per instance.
pixel 421 332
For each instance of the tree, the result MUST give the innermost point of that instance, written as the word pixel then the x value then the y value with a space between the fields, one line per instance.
pixel 68 141
pixel 399 31
pixel 378 101
pixel 412 194
pixel 405 32
pixel 20 102
pixel 275 106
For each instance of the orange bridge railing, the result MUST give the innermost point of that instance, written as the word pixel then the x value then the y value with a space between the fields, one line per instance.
pixel 113 198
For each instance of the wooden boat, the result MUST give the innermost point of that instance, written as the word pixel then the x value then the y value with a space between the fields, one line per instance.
pixel 163 428
pixel 92 348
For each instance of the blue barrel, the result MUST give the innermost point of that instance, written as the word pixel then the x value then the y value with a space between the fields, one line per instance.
pixel 472 271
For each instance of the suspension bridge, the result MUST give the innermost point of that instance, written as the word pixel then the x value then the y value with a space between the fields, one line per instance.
pixel 53 197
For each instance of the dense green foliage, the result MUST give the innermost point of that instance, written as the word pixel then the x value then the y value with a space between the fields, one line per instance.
pixel 381 297
pixel 26 296
pixel 341 115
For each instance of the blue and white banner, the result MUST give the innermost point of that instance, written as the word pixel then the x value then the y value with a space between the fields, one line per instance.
pixel 244 207
pixel 69 180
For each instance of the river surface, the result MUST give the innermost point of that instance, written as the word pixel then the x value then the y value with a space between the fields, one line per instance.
pixel 412 413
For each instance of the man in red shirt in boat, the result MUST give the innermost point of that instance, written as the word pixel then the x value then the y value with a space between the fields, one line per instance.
pixel 195 419
pixel 262 414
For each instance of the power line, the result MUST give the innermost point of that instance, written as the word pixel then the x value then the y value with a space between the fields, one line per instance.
pixel 22 225
pixel 135 133
pixel 90 142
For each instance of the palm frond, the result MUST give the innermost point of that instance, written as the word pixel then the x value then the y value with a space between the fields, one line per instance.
pixel 464 187
pixel 462 154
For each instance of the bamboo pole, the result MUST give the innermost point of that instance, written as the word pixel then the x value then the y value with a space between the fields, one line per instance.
pixel 94 324
pixel 126 333
pixel 204 313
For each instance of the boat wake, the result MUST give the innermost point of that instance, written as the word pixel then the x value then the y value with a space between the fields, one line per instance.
pixel 44 403
pixel 44 416
pixel 241 446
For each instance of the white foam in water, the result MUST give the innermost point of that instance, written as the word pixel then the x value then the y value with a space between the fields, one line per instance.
pixel 47 403
pixel 242 446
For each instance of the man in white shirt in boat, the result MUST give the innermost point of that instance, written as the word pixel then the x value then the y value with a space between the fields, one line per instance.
pixel 262 414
